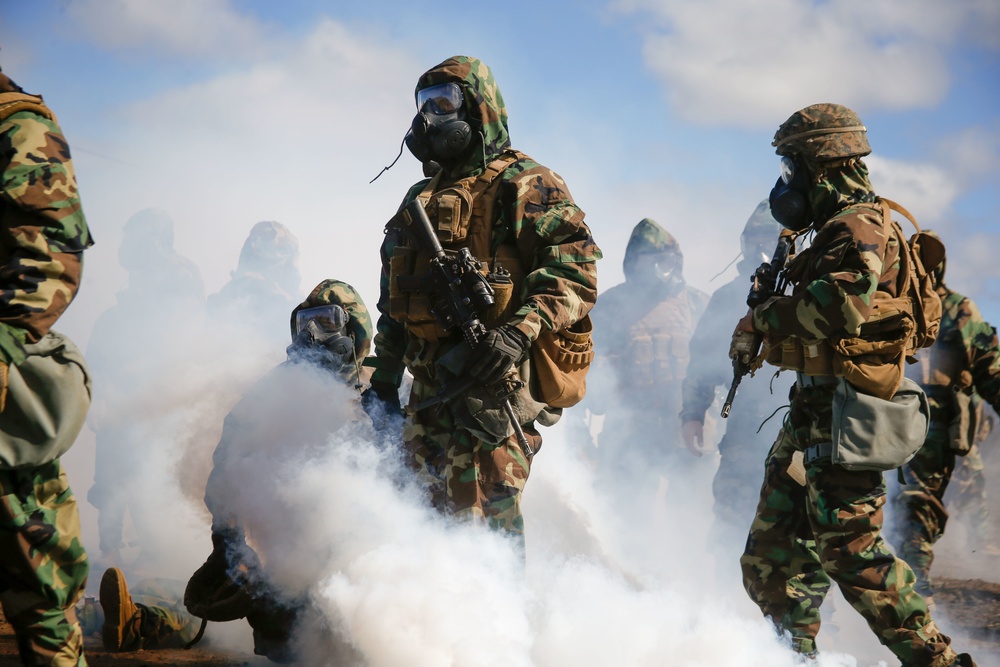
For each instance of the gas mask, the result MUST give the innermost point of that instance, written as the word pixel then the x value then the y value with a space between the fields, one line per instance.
pixel 320 337
pixel 661 270
pixel 439 131
pixel 788 202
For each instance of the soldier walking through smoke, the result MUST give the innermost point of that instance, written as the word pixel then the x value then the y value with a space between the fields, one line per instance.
pixel 737 481
pixel 642 334
pixel 164 297
pixel 537 260
pixel 44 385
pixel 860 303
pixel 964 360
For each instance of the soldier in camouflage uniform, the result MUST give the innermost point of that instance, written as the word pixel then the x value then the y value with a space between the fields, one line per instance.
pixel 736 483
pixel 164 296
pixel 964 360
pixel 313 396
pixel 511 213
pixel 852 262
pixel 642 333
pixel 43 565
pixel 264 286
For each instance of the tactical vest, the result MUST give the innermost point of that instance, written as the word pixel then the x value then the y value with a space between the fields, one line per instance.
pixel 658 348
pixel 462 217
pixel 874 360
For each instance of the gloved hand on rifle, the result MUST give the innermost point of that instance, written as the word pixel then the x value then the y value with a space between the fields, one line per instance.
pixel 743 348
pixel 497 352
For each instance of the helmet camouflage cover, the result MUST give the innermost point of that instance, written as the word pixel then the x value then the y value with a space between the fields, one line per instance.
pixel 822 132
pixel 341 294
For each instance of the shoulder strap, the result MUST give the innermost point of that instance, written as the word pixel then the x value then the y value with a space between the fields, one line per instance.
pixel 11 103
pixel 905 259
pixel 899 209
pixel 484 193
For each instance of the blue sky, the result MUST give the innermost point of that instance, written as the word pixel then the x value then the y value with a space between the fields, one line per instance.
pixel 225 113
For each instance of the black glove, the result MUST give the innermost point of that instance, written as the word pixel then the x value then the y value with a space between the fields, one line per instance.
pixel 497 353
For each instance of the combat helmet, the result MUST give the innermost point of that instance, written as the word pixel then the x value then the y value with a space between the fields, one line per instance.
pixel 822 132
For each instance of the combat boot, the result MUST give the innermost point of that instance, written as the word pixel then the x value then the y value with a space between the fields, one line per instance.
pixel 126 624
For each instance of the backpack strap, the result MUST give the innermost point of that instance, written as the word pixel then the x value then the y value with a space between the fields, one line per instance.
pixel 899 209
pixel 484 196
pixel 905 259
pixel 11 103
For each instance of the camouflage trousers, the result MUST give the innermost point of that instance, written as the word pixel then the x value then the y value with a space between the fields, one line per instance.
pixel 169 624
pixel 969 498
pixel 787 575
pixel 463 475
pixel 43 565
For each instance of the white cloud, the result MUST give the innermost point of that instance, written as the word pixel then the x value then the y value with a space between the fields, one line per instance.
pixel 927 190
pixel 187 28
pixel 725 61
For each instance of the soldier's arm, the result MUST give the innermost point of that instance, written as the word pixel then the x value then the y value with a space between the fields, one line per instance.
pixel 43 231
pixel 390 336
pixel 838 302
pixel 709 366
pixel 559 252
pixel 983 351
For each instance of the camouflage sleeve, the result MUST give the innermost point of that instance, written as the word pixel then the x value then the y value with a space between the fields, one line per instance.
pixel 983 350
pixel 43 230
pixel 390 335
pixel 559 252
pixel 833 299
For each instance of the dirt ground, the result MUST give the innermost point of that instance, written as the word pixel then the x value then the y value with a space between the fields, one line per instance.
pixel 972 607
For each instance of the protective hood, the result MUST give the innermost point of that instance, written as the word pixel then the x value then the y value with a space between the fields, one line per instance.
pixel 484 104
pixel 341 294
pixel 648 237
pixel 838 187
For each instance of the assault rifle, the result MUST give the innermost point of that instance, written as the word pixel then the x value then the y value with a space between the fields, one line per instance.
pixel 768 280
pixel 459 293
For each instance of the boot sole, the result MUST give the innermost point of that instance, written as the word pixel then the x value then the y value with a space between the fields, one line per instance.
pixel 114 593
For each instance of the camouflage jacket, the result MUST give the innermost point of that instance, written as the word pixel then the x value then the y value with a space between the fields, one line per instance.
pixel 835 278
pixel 535 213
pixel 966 354
pixel 43 231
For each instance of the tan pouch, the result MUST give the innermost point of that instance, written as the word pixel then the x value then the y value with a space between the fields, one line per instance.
pixel 560 362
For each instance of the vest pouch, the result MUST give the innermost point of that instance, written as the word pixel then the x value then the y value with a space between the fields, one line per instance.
pixel 560 362
pixel 870 433
pixel 503 294
pixel 450 211
pixel 817 357
pixel 874 362
pixel 48 396
pixel 402 263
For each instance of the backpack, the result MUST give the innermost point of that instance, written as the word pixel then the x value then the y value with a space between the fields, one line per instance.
pixel 918 258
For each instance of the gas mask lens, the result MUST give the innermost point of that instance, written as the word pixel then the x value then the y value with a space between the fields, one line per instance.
pixel 787 170
pixel 329 318
pixel 442 99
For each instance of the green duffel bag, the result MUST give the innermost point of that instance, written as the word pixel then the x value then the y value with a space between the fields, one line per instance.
pixel 48 396
pixel 871 433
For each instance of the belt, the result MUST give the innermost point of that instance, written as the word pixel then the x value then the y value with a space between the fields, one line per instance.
pixel 823 450
pixel 803 380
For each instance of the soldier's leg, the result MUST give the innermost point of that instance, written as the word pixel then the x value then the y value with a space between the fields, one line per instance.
pixel 919 508
pixel 845 511
pixel 969 497
pixel 44 567
pixel 781 571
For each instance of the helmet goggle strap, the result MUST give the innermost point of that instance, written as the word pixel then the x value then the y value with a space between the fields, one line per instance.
pixel 330 317
pixel 442 99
